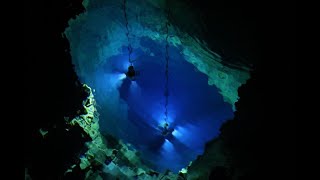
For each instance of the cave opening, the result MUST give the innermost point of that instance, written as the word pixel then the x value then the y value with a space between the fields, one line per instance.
pixel 202 91
pixel 94 29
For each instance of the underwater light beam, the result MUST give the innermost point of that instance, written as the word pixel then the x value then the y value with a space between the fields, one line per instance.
pixel 167 146
pixel 122 77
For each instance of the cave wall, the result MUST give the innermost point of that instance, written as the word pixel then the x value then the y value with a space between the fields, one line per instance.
pixel 268 99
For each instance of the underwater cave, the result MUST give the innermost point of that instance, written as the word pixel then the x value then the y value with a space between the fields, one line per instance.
pixel 150 89
pixel 108 38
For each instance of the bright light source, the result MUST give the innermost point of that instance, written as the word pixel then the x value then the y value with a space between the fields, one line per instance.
pixel 168 146
pixel 176 133
pixel 122 76
pixel 179 132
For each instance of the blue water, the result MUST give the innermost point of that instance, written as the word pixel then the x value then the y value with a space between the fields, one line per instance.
pixel 133 111
pixel 196 110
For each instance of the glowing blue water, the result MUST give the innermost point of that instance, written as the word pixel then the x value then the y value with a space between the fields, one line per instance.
pixel 132 111
pixel 196 110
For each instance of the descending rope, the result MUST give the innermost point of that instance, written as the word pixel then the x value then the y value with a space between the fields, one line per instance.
pixel 127 33
pixel 166 91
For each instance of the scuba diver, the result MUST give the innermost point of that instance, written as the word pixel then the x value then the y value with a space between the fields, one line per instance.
pixel 165 130
pixel 131 73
